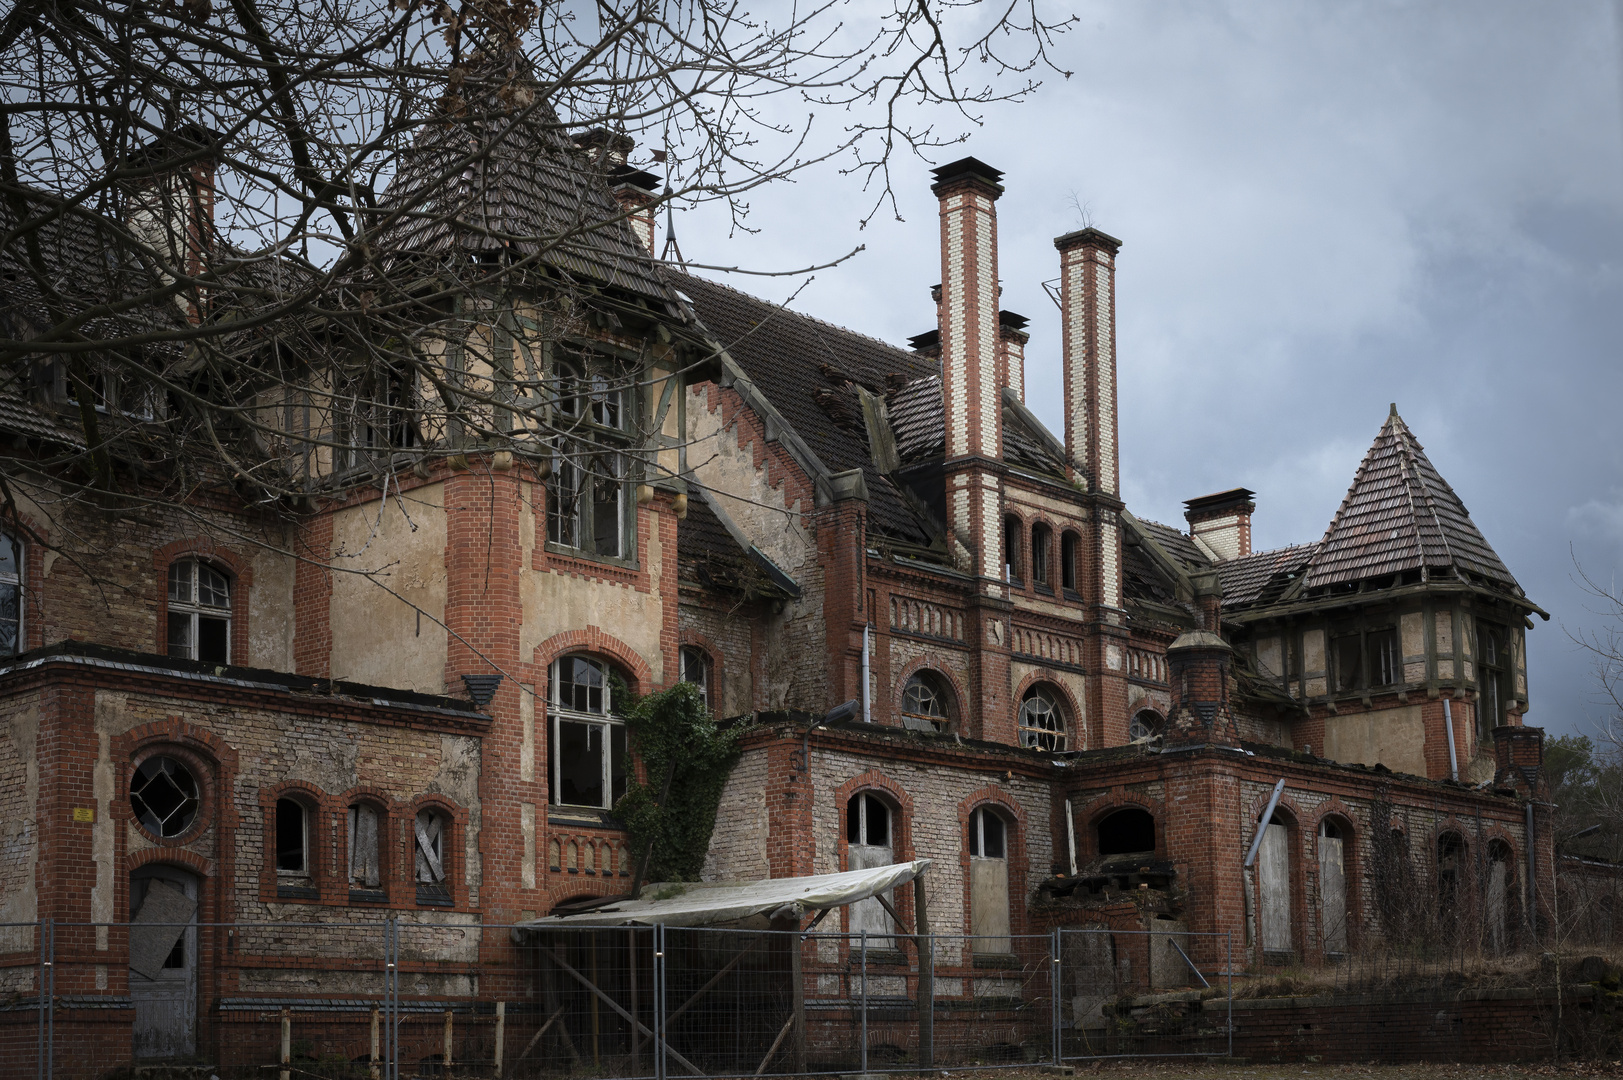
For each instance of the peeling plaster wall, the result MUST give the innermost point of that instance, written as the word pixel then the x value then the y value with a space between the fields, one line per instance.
pixel 377 638
pixel 270 612
pixel 19 829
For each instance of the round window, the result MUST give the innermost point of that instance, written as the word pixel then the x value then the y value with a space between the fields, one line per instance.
pixel 1042 725
pixel 163 795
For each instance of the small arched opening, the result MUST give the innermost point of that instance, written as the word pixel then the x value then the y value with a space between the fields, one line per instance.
pixel 1129 831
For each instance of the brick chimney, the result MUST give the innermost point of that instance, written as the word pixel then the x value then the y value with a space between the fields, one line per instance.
pixel 970 380
pixel 1012 338
pixel 1518 753
pixel 1087 261
pixel 171 197
pixel 634 189
pixel 1222 522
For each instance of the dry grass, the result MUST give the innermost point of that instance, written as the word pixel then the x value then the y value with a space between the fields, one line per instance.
pixel 1161 1070
pixel 1396 972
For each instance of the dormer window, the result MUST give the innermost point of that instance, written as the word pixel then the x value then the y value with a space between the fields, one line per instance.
pixel 588 508
pixel 199 612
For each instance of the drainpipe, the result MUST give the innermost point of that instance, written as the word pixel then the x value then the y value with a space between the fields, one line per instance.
pixel 1262 823
pixel 867 714
pixel 1448 721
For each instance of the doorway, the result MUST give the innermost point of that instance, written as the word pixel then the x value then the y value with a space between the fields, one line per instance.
pixel 163 961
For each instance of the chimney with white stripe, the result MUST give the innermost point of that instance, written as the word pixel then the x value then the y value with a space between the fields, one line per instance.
pixel 1012 337
pixel 1087 260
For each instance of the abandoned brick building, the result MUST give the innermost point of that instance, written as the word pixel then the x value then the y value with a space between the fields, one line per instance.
pixel 1079 716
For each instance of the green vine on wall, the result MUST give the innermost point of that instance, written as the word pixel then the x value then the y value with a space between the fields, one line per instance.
pixel 674 726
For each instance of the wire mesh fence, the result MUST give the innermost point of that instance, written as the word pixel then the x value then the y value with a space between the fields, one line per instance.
pixel 1139 993
pixel 399 998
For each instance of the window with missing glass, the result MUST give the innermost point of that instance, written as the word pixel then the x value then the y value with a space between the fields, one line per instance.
pixel 694 663
pixel 589 509
pixel 11 596
pixel 1367 659
pixel 589 760
pixel 1493 676
pixel 199 612
pixel 1042 719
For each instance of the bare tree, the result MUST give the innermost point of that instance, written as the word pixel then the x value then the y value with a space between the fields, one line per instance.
pixel 254 251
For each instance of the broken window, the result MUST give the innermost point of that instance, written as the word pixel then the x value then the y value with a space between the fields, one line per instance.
pixel 432 830
pixel 587 507
pixel 695 668
pixel 1349 655
pixel 1069 546
pixel 1041 539
pixel 1333 887
pixel 1385 663
pixel 199 612
pixel 1450 868
pixel 164 796
pixel 11 596
pixel 375 418
pixel 1293 657
pixel 588 740
pixel 1042 722
pixel 868 845
pixel 924 703
pixel 1145 725
pixel 1500 878
pixel 1011 549
pixel 1129 831
pixel 988 882
pixel 365 870
pixel 292 838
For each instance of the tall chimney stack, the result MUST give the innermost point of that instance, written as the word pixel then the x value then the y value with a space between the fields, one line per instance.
pixel 972 377
pixel 1087 260
pixel 1012 338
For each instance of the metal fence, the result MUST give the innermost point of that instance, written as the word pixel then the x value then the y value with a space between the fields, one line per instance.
pixel 399 998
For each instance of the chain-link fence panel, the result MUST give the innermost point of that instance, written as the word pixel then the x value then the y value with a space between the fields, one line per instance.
pixel 1126 993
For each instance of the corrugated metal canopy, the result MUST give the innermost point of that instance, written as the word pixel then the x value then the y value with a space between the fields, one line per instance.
pixel 711 905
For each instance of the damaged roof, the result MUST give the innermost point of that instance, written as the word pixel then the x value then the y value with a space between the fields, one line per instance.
pixel 1400 514
pixel 1262 577
pixel 810 370
pixel 500 174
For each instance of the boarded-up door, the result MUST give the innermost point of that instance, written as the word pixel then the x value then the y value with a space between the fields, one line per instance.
pixel 1332 891
pixel 868 845
pixel 988 882
pixel 1498 883
pixel 1275 873
pixel 163 961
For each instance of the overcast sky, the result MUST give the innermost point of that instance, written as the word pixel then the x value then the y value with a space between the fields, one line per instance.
pixel 1324 208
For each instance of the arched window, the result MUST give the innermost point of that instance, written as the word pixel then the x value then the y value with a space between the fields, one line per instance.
pixel 1450 870
pixel 292 839
pixel 588 740
pixel 365 853
pixel 1333 838
pixel 1128 831
pixel 694 663
pixel 988 882
pixel 1145 725
pixel 199 612
pixel 433 834
pixel 1041 553
pixel 1069 545
pixel 164 796
pixel 869 844
pixel 11 596
pixel 1274 879
pixel 1011 549
pixel 924 702
pixel 1042 719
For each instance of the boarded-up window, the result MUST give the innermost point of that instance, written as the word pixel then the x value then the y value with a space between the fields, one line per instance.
pixel 432 829
pixel 1332 888
pixel 868 845
pixel 1498 899
pixel 1273 868
pixel 364 871
pixel 988 882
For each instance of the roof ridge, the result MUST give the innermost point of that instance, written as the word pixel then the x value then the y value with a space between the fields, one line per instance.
pixel 809 318
pixel 1407 455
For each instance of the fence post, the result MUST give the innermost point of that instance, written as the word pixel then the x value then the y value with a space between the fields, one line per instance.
pixel 659 1002
pixel 1053 993
pixel 287 1041
pixel 372 1067
pixel 501 1034
pixel 865 1002
pixel 1228 947
pixel 50 998
pixel 391 998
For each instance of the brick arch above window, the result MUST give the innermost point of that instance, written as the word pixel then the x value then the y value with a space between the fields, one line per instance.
pixel 693 639
pixel 189 860
pixel 936 666
pixel 238 570
pixel 1076 733
pixel 595 642
pixel 992 797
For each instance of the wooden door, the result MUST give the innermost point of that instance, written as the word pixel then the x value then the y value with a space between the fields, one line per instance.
pixel 1275 873
pixel 163 962
pixel 1332 892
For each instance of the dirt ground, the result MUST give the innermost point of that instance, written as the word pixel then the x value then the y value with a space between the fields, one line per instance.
pixel 1134 1070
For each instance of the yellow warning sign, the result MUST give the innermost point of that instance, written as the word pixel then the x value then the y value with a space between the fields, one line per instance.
pixel 83 813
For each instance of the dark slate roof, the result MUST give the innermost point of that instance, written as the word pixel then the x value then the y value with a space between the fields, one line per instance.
pixel 1261 577
pixel 1179 547
pixel 917 418
pixel 531 190
pixel 1141 580
pixel 809 369
pixel 1400 514
pixel 703 543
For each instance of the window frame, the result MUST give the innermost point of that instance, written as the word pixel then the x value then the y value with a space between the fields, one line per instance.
pixel 1014 532
pixel 13 580
pixel 1042 552
pixel 707 668
pixel 362 892
pixel 606 721
pixel 1493 704
pixel 937 685
pixel 194 610
pixel 975 839
pixel 585 433
pixel 430 892
pixel 304 871
pixel 1070 575
pixel 1056 706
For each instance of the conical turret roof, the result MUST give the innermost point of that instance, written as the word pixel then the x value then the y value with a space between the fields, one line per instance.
pixel 1400 514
